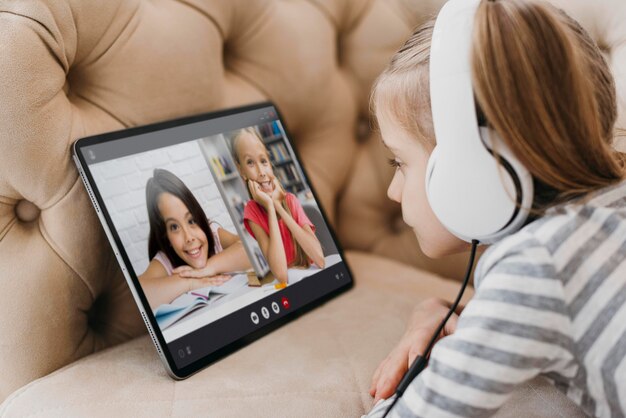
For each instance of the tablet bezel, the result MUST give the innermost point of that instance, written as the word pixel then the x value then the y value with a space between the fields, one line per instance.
pixel 122 257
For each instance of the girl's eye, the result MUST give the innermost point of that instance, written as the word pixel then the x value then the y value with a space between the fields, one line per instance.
pixel 192 221
pixel 394 163
pixel 264 161
pixel 173 227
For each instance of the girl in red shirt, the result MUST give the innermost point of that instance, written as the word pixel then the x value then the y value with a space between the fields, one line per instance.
pixel 274 217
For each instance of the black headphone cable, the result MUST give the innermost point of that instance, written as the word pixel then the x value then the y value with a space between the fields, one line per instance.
pixel 420 362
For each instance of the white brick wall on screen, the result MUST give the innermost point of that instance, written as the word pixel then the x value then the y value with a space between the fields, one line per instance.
pixel 122 185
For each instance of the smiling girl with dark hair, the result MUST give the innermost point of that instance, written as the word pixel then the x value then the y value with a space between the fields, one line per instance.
pixel 166 182
pixel 186 251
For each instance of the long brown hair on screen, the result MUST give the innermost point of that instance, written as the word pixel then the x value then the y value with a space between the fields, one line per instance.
pixel 163 181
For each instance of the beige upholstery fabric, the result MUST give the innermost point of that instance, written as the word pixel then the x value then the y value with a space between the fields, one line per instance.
pixel 71 68
pixel 317 366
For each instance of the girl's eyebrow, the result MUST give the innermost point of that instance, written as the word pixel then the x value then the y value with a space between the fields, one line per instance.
pixel 387 146
pixel 264 154
pixel 174 220
pixel 392 149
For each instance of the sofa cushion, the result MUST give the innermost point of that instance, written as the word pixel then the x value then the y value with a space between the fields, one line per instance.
pixel 319 365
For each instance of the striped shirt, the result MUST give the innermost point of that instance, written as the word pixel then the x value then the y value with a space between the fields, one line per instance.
pixel 550 300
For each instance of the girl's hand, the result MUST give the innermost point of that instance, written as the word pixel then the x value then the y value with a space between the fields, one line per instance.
pixel 424 321
pixel 188 272
pixel 207 281
pixel 278 195
pixel 259 195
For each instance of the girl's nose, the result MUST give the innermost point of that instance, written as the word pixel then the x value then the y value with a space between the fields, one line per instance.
pixel 394 191
pixel 187 235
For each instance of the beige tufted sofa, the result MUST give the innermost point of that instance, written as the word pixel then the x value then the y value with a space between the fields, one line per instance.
pixel 71 340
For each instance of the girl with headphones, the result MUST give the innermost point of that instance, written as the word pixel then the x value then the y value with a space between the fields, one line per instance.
pixel 500 116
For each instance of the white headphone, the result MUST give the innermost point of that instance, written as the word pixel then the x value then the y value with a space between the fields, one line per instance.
pixel 474 195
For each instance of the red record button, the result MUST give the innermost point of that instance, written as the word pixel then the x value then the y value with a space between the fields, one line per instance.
pixel 285 302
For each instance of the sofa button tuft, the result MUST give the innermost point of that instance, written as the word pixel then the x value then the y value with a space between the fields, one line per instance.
pixel 363 129
pixel 26 211
pixel 97 314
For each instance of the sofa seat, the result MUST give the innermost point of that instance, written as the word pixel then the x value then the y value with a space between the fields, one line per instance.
pixel 319 365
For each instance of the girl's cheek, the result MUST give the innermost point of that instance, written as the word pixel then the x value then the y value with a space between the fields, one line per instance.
pixel 201 236
pixel 252 175
pixel 268 170
pixel 174 240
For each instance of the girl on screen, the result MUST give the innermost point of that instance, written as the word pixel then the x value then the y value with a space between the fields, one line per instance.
pixel 186 250
pixel 274 217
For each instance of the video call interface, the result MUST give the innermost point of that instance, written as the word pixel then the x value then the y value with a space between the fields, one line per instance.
pixel 220 226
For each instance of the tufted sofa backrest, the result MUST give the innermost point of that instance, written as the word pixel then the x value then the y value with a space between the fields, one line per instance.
pixel 72 68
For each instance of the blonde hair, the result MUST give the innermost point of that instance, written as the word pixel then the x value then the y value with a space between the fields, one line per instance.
pixel 542 84
pixel 301 259
pixel 401 91
pixel 237 137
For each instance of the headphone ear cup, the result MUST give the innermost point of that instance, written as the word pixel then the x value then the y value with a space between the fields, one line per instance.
pixel 473 195
pixel 522 186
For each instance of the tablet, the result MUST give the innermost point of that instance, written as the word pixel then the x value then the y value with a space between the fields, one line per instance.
pixel 216 227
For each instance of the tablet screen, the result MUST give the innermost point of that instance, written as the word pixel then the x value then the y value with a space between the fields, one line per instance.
pixel 216 226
